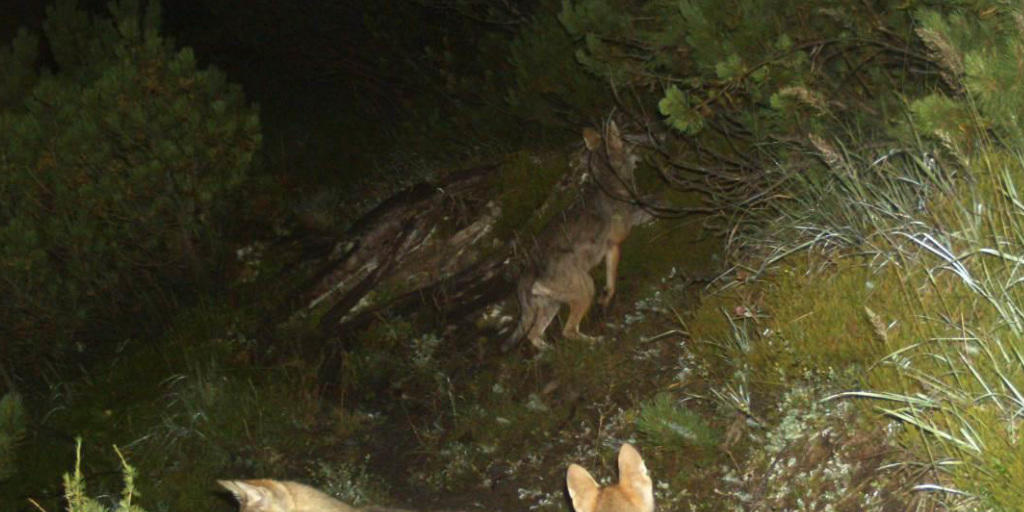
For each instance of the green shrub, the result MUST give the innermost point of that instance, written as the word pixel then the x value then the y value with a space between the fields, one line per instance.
pixel 116 168
pixel 667 423
pixel 78 501
pixel 550 87
pixel 18 62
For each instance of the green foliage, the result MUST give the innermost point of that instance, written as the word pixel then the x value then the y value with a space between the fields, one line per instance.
pixel 717 64
pixel 607 29
pixel 959 400
pixel 12 432
pixel 749 85
pixel 550 87
pixel 18 62
pixel 83 45
pixel 942 243
pixel 666 423
pixel 117 170
pixel 79 501
pixel 679 112
pixel 978 52
pixel 941 115
pixel 936 296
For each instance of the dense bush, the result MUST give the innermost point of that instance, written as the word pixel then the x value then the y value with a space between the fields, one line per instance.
pixel 114 167
pixel 750 106
pixel 12 432
pixel 79 501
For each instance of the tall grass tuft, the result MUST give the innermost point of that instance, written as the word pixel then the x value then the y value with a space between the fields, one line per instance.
pixel 952 236
pixel 962 389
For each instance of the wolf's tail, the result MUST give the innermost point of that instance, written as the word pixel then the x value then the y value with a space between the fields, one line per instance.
pixel 527 315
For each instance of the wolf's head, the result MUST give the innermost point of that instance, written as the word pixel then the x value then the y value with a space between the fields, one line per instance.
pixel 633 493
pixel 610 162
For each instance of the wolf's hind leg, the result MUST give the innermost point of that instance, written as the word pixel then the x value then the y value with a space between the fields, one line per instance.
pixel 546 309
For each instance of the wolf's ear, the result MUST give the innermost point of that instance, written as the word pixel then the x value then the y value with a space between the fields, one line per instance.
pixel 248 495
pixel 583 489
pixel 613 136
pixel 591 139
pixel 633 474
pixel 616 149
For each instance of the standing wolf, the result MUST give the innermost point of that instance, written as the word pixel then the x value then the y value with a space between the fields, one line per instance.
pixel 576 241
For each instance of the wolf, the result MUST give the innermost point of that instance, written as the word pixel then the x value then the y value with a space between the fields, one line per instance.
pixel 276 496
pixel 633 493
pixel 573 243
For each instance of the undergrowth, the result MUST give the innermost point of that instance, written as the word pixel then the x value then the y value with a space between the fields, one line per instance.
pixel 862 353
pixel 78 500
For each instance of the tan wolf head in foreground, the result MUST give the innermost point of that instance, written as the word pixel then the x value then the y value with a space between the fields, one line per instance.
pixel 633 493
pixel 277 496
pixel 578 239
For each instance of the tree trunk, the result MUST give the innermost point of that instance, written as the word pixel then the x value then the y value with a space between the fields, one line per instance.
pixel 432 241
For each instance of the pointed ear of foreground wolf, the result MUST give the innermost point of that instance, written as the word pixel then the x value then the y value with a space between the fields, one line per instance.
pixel 249 496
pixel 633 493
pixel 276 496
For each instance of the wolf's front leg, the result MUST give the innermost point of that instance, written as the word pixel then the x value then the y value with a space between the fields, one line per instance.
pixel 611 265
pixel 579 304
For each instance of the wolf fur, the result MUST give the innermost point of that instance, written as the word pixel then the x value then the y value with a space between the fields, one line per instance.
pixel 266 495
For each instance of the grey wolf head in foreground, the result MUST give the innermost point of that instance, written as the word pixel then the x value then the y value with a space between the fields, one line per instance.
pixel 578 239
pixel 633 493
pixel 276 496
